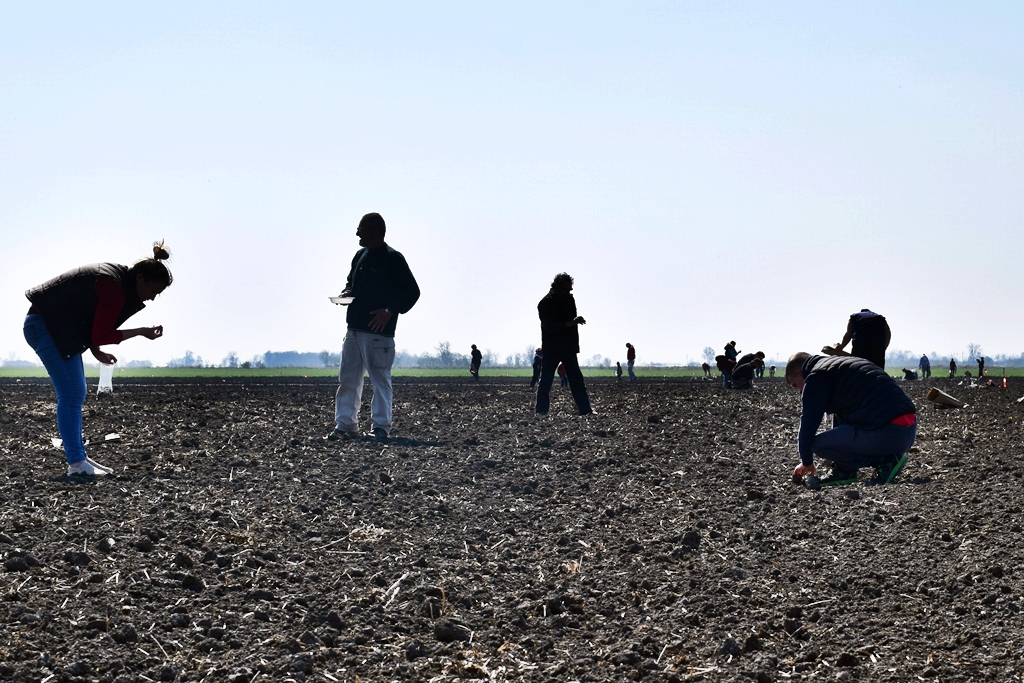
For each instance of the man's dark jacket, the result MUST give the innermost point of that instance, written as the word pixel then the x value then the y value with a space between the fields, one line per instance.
pixel 379 278
pixel 68 304
pixel 856 390
pixel 554 313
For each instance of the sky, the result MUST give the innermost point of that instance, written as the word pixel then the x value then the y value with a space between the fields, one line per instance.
pixel 706 171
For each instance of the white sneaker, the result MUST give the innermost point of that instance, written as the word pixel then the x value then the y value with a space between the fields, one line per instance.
pixel 96 465
pixel 85 468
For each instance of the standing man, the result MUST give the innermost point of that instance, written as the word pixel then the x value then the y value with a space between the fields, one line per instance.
pixel 952 368
pixel 560 337
pixel 474 363
pixel 630 360
pixel 878 422
pixel 981 368
pixel 730 351
pixel 870 334
pixel 925 366
pixel 382 287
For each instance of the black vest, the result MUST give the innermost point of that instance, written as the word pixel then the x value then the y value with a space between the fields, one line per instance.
pixel 862 393
pixel 68 304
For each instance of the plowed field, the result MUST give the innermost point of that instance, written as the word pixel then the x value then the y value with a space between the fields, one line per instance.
pixel 660 540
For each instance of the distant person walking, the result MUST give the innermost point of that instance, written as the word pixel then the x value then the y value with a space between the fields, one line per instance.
pixel 538 363
pixel 474 364
pixel 630 361
pixel 952 368
pixel 618 371
pixel 981 368
pixel 383 287
pixel 925 366
pixel 771 371
pixel 560 337
pixel 870 334
pixel 83 309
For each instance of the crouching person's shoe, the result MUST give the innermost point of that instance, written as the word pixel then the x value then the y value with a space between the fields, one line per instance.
pixel 839 477
pixel 889 469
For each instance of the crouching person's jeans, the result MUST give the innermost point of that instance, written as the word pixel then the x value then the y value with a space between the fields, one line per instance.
pixel 68 379
pixel 374 354
pixel 851 447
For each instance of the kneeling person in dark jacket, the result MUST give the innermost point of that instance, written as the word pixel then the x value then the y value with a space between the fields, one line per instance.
pixel 877 422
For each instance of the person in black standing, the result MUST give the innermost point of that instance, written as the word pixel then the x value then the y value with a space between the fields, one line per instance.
pixel 952 367
pixel 474 363
pixel 870 334
pixel 981 368
pixel 560 338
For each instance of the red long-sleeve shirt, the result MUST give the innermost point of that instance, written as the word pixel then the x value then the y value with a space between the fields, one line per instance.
pixel 109 302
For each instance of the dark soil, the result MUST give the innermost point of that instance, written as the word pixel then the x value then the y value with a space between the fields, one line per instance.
pixel 660 540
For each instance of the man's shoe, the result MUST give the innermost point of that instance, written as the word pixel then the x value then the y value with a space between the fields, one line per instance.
pixel 97 466
pixel 338 435
pixel 889 469
pixel 84 468
pixel 839 477
pixel 379 434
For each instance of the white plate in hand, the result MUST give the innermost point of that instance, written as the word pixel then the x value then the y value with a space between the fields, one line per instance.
pixel 342 300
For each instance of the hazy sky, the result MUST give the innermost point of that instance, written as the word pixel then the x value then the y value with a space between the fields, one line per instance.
pixel 706 171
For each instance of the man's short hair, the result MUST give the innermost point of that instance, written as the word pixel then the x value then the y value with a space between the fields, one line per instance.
pixel 796 363
pixel 374 221
pixel 560 280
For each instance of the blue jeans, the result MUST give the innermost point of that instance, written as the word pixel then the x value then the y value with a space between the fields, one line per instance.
pixel 851 447
pixel 68 378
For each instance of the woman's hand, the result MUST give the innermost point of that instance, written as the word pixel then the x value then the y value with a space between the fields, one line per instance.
pixel 105 358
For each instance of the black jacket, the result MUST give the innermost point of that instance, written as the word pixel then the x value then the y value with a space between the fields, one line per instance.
pixel 68 304
pixel 379 278
pixel 554 313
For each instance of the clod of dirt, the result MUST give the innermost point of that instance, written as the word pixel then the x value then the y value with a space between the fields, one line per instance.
pixel 184 561
pixel 16 564
pixel 449 631
pixel 193 583
pixel 730 647
pixel 125 633
pixel 847 659
pixel 77 558
pixel 415 650
pixel 106 545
